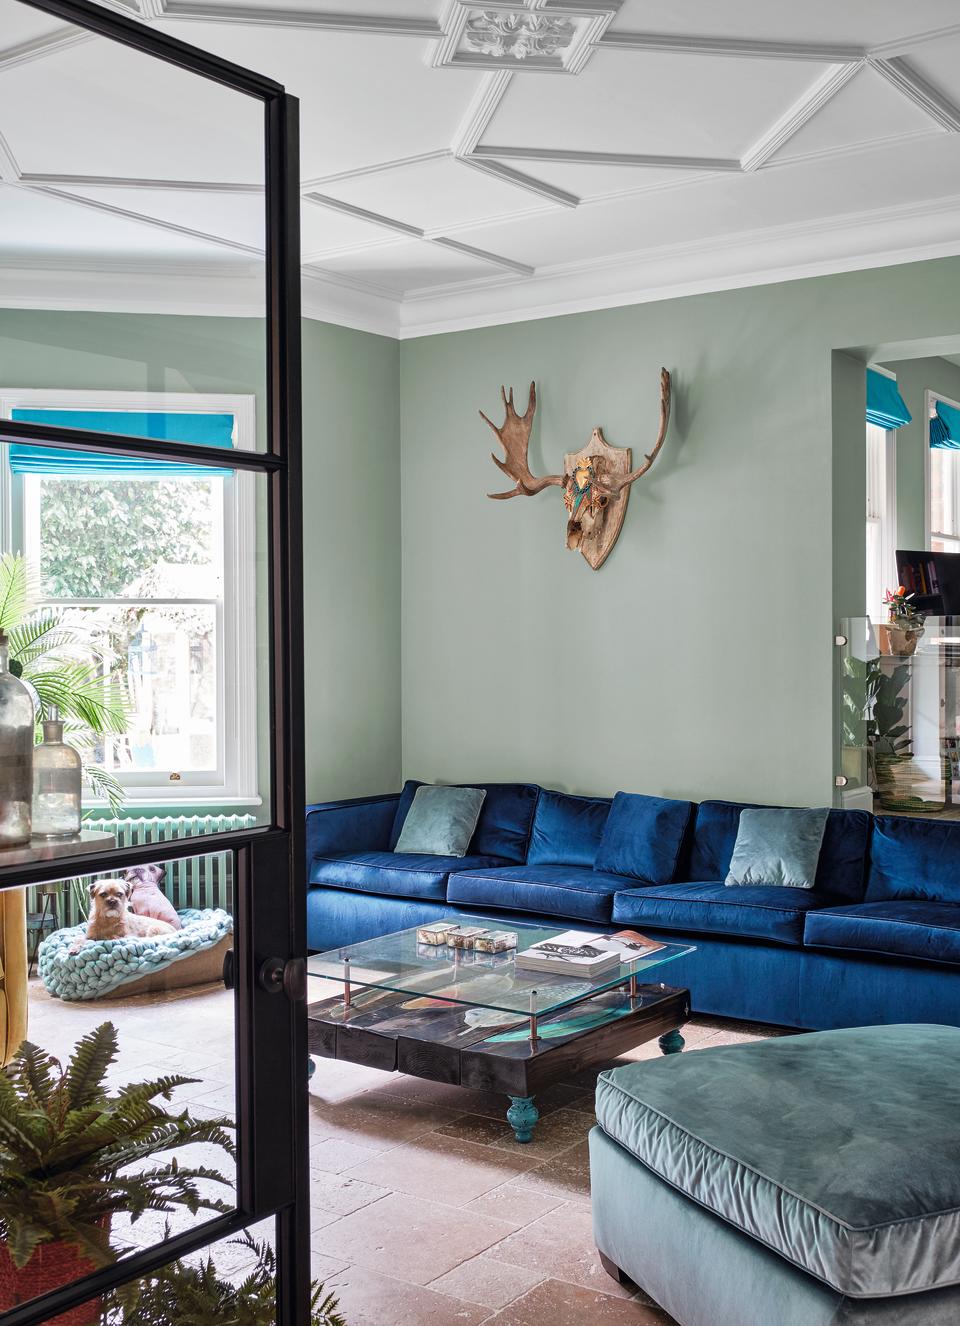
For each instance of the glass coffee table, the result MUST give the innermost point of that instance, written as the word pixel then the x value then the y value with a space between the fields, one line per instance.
pixel 477 1020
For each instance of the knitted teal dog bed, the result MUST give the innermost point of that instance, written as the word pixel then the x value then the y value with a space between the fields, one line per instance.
pixel 104 964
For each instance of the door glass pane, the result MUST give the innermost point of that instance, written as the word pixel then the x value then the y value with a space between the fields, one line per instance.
pixel 144 618
pixel 128 1052
pixel 138 188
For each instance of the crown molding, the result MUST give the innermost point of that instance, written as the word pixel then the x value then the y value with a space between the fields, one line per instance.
pixel 521 268
pixel 739 48
pixel 128 182
pixel 890 236
pixel 582 158
pixel 907 44
pixel 9 169
pixel 40 47
pixel 481 110
pixel 155 223
pixel 371 25
pixel 915 88
pixel 377 168
pixel 499 170
pixel 803 109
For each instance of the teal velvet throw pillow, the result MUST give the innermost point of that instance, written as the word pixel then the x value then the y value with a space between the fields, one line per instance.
pixel 779 847
pixel 441 820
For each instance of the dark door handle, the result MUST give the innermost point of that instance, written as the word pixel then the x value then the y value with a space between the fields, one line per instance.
pixel 228 973
pixel 289 977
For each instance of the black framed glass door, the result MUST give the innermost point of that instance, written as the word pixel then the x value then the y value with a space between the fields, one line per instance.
pixel 151 495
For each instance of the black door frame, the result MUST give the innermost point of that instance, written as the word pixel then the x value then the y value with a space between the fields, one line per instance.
pixel 270 905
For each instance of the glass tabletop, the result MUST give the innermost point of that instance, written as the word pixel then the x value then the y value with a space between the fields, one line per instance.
pixel 400 963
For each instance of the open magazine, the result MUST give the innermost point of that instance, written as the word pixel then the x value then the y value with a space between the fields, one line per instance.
pixel 585 954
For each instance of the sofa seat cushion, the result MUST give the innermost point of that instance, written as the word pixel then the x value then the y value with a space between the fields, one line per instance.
pixel 554 890
pixel 841 868
pixel 752 911
pixel 839 1150
pixel 396 874
pixel 926 930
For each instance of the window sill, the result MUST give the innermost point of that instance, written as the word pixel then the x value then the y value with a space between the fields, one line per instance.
pixel 159 805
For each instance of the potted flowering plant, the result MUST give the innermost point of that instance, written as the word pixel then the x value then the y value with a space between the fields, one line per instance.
pixel 902 630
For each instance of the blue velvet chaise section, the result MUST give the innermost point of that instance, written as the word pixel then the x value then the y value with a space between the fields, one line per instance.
pixel 877 939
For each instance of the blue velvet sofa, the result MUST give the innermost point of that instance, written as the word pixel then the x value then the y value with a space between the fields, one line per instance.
pixel 877 940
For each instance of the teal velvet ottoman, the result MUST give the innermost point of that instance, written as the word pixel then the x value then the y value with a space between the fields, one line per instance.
pixel 800 1181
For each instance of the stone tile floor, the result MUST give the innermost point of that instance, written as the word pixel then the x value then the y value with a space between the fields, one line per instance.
pixel 425 1211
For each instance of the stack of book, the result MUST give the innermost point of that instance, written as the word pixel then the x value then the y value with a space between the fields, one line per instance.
pixel 579 953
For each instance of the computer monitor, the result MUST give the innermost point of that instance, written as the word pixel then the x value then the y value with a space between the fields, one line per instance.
pixel 934 580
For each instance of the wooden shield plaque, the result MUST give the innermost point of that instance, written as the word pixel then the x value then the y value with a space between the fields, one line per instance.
pixel 595 522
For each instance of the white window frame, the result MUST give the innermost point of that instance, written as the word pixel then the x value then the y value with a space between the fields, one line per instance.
pixel 235 782
pixel 930 408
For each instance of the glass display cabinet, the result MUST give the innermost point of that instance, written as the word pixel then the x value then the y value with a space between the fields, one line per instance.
pixel 899 717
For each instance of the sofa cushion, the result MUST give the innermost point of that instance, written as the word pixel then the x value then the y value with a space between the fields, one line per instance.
pixel 441 820
pixel 643 837
pixel 567 829
pixel 914 859
pixel 839 1150
pixel 402 875
pixel 777 847
pixel 751 911
pixel 841 869
pixel 926 930
pixel 556 890
pixel 503 829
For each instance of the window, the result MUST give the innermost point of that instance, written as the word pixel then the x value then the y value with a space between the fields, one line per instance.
pixel 881 517
pixel 943 509
pixel 159 571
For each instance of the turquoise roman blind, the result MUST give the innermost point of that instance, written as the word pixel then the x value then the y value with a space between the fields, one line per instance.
pixel 945 428
pixel 209 430
pixel 885 406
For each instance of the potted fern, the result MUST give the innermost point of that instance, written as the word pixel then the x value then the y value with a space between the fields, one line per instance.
pixel 73 1154
pixel 195 1295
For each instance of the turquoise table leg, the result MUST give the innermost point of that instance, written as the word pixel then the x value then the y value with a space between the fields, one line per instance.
pixel 671 1043
pixel 521 1116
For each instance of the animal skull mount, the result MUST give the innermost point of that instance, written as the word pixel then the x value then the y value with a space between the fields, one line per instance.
pixel 595 481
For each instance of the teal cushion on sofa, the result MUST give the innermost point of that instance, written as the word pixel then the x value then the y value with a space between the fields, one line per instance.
pixel 839 1150
pixel 441 820
pixel 778 848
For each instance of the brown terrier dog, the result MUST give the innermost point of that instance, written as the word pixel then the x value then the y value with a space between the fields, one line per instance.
pixel 111 917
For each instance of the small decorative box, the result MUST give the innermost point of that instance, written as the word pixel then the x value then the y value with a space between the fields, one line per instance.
pixel 464 936
pixel 434 933
pixel 495 941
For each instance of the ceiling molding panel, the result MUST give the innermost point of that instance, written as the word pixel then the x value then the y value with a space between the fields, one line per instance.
pixel 823 90
pixel 678 44
pixel 915 87
pixel 639 159
pixel 372 25
pixel 663 140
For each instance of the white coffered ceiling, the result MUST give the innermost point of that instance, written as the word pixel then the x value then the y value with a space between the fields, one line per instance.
pixel 465 163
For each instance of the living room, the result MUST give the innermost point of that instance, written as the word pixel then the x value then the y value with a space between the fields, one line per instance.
pixel 324 771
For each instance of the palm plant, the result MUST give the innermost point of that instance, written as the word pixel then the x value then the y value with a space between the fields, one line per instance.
pixel 73 1154
pixel 55 658
pixel 196 1295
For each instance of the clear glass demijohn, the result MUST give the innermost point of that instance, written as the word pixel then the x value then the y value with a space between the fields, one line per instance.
pixel 57 782
pixel 16 753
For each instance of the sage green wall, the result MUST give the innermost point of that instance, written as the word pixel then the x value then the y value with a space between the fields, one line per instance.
pixel 698 661
pixel 915 377
pixel 351 475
